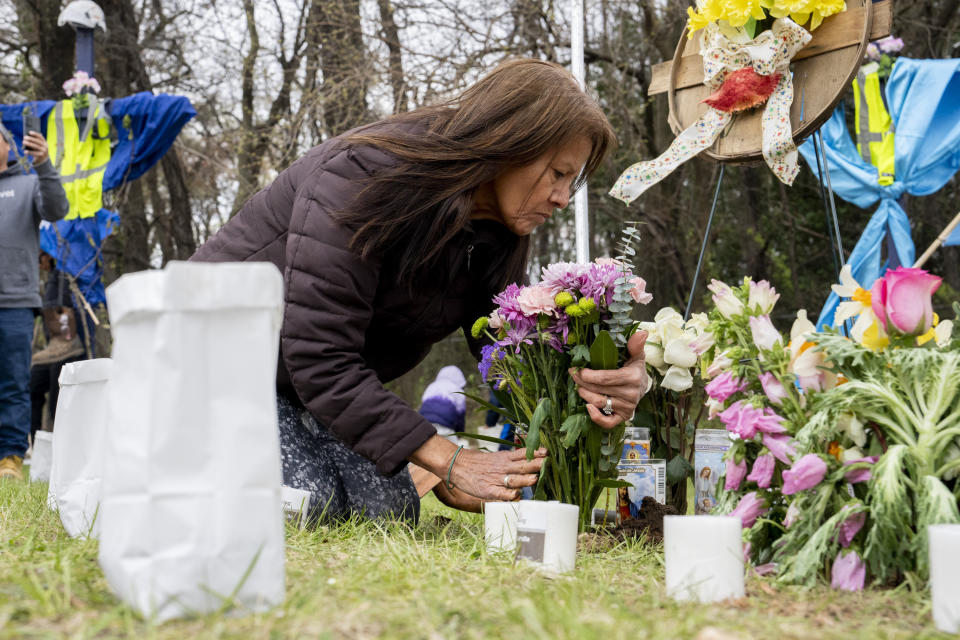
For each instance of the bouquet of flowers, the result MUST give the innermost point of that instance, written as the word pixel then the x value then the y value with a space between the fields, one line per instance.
pixel 886 441
pixel 578 315
pixel 673 408
pixel 844 448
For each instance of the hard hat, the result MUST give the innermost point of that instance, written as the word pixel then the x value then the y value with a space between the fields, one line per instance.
pixel 84 14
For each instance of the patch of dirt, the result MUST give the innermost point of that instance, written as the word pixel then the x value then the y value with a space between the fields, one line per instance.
pixel 649 522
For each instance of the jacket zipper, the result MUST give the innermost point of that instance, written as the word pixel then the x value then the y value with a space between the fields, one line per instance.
pixel 469 251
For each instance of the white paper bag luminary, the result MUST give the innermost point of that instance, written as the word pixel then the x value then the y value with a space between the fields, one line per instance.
pixel 41 457
pixel 703 557
pixel 500 525
pixel 191 511
pixel 78 448
pixel 944 545
pixel 547 534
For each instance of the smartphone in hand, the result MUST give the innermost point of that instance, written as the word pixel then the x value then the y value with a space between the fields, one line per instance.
pixel 30 123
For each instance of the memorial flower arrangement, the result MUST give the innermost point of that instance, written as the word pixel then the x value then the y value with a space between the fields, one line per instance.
pixel 577 315
pixel 746 47
pixel 844 448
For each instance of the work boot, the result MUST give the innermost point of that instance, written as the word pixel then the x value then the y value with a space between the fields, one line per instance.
pixel 11 467
pixel 64 342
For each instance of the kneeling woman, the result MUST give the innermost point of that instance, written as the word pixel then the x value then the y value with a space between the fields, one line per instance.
pixel 392 236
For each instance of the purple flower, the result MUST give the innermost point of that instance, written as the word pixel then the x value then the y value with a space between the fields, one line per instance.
pixel 515 337
pixel 805 473
pixel 765 335
pixel 741 419
pixel 850 527
pixel 724 386
pixel 762 472
pixel 780 446
pixel 734 475
pixel 890 44
pixel 861 474
pixel 848 572
pixel 773 388
pixel 599 281
pixel 486 360
pixel 562 276
pixel 765 569
pixel 749 509
pixel 509 305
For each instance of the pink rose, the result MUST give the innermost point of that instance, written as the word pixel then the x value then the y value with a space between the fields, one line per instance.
pixel 762 472
pixel 772 387
pixel 765 335
pixel 902 301
pixel 848 572
pixel 805 473
pixel 749 509
pixel 639 290
pixel 536 299
pixel 734 475
pixel 724 386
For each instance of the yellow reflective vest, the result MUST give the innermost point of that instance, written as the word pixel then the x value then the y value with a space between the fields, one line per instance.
pixel 81 157
pixel 874 127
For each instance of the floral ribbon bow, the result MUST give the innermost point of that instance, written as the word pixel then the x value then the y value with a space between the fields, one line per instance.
pixel 724 61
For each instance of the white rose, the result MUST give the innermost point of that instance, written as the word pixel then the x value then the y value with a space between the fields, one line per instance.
pixel 679 353
pixel 677 379
pixel 653 354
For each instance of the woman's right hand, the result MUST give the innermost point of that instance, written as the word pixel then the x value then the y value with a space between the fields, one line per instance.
pixel 496 475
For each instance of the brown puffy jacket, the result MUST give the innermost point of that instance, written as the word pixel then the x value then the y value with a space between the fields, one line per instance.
pixel 348 327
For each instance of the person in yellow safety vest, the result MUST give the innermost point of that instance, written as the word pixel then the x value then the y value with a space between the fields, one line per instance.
pixel 81 157
pixel 874 127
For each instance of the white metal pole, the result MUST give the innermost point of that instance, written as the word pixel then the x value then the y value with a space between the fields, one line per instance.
pixel 576 67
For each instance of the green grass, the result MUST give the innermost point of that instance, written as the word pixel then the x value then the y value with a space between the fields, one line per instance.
pixel 368 580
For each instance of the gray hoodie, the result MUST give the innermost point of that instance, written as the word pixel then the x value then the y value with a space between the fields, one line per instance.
pixel 25 199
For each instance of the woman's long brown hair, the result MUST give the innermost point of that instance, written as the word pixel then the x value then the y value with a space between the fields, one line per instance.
pixel 519 111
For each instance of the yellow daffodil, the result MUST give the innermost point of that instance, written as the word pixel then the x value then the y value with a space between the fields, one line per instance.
pixel 738 12
pixel 695 21
pixel 874 338
pixel 940 331
pixel 857 306
pixel 797 10
pixel 824 9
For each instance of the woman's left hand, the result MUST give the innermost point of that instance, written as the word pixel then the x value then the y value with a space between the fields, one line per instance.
pixel 624 386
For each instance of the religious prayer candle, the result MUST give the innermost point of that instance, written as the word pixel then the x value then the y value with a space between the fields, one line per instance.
pixel 944 543
pixel 547 534
pixel 500 525
pixel 703 557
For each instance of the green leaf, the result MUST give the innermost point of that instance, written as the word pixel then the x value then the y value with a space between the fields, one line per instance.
pixel 533 434
pixel 508 405
pixel 573 427
pixel 751 27
pixel 477 436
pixel 508 415
pixel 677 470
pixel 580 355
pixel 603 352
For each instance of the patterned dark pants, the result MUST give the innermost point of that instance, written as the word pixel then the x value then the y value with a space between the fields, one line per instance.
pixel 341 482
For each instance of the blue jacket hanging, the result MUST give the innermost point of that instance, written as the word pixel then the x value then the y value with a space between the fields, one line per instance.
pixel 923 98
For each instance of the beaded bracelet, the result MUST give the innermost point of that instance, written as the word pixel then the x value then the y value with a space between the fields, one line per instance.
pixel 450 485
